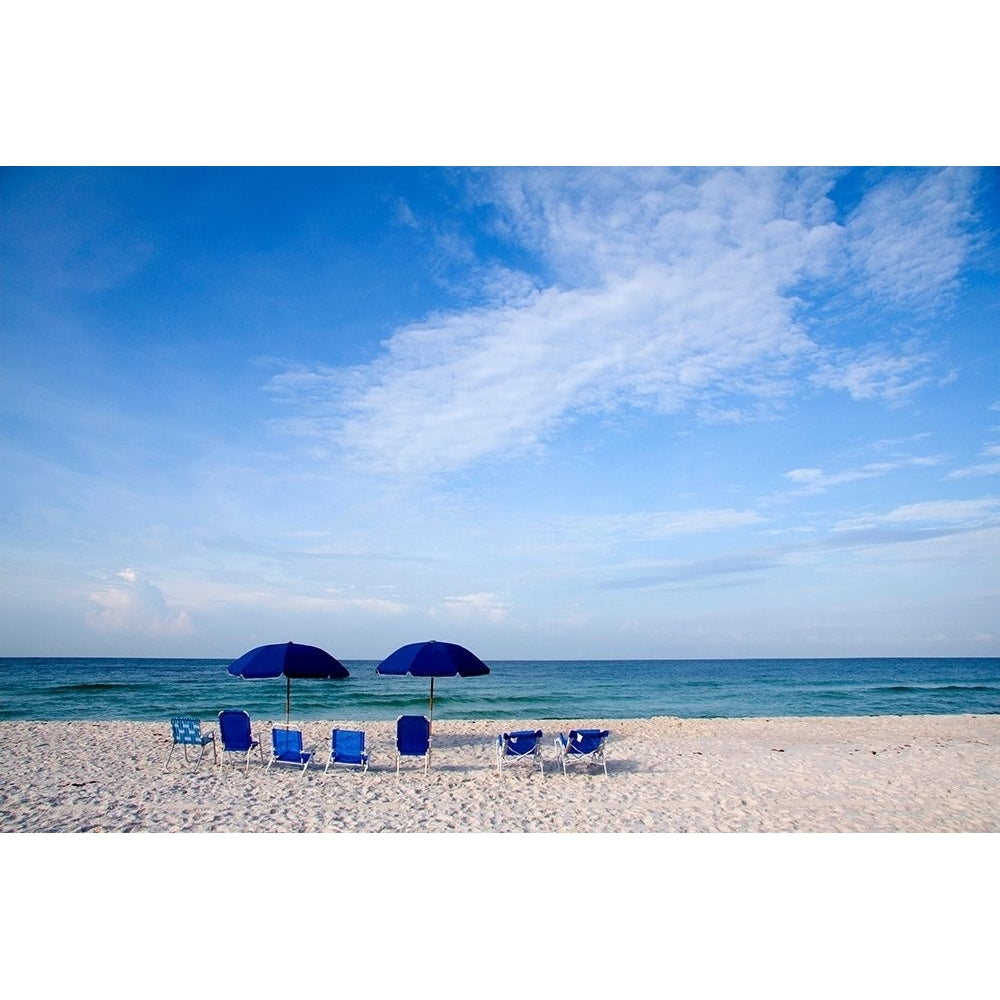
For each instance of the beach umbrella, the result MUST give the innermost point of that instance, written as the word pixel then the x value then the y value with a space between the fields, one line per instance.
pixel 288 660
pixel 433 659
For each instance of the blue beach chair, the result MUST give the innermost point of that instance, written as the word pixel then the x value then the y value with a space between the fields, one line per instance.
pixel 237 736
pixel 347 749
pixel 524 744
pixel 286 748
pixel 413 739
pixel 583 746
pixel 186 732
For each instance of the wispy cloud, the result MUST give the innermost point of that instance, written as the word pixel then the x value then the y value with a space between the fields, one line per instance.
pixel 970 513
pixel 404 214
pixel 990 468
pixel 809 480
pixel 734 567
pixel 909 237
pixel 473 607
pixel 891 373
pixel 909 527
pixel 653 525
pixel 655 292
pixel 952 511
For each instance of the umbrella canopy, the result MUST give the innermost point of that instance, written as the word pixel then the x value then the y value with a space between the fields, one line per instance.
pixel 433 659
pixel 288 660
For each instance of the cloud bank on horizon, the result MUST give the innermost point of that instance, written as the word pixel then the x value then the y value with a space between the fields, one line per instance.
pixel 542 411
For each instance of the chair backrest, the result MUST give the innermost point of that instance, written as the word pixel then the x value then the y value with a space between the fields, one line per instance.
pixel 347 745
pixel 521 742
pixel 286 741
pixel 413 735
pixel 586 740
pixel 186 730
pixel 234 728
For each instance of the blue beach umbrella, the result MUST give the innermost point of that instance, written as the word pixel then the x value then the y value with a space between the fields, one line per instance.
pixel 433 659
pixel 288 660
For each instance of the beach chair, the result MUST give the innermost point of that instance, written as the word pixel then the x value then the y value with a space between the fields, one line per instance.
pixel 347 749
pixel 286 748
pixel 413 739
pixel 522 745
pixel 583 746
pixel 186 732
pixel 237 737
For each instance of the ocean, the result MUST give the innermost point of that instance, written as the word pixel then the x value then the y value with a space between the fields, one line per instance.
pixel 145 690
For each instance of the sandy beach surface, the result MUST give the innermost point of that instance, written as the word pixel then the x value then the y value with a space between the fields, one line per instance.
pixel 927 774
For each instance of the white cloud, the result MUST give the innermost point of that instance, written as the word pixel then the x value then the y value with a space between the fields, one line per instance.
pixel 881 371
pixel 478 607
pixel 128 603
pixel 980 468
pixel 404 214
pixel 965 514
pixel 653 525
pixel 907 239
pixel 952 511
pixel 666 291
pixel 818 481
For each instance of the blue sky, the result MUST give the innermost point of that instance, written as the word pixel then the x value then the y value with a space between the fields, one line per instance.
pixel 544 412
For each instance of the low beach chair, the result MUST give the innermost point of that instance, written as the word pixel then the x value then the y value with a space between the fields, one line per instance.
pixel 286 748
pixel 186 732
pixel 347 749
pixel 524 744
pixel 413 739
pixel 583 745
pixel 237 737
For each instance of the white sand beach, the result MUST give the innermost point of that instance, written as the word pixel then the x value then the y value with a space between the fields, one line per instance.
pixel 921 774
pixel 714 916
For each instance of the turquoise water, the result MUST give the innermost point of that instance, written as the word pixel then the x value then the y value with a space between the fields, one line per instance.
pixel 155 689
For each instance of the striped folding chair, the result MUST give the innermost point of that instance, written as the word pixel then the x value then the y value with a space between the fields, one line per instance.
pixel 187 733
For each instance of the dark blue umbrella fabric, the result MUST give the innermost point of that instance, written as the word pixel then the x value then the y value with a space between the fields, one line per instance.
pixel 288 659
pixel 433 659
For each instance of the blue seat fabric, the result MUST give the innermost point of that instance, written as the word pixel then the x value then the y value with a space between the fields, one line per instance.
pixel 347 748
pixel 584 745
pixel 413 738
pixel 236 734
pixel 287 748
pixel 518 745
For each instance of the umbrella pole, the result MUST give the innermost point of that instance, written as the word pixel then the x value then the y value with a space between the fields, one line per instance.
pixel 288 699
pixel 430 721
